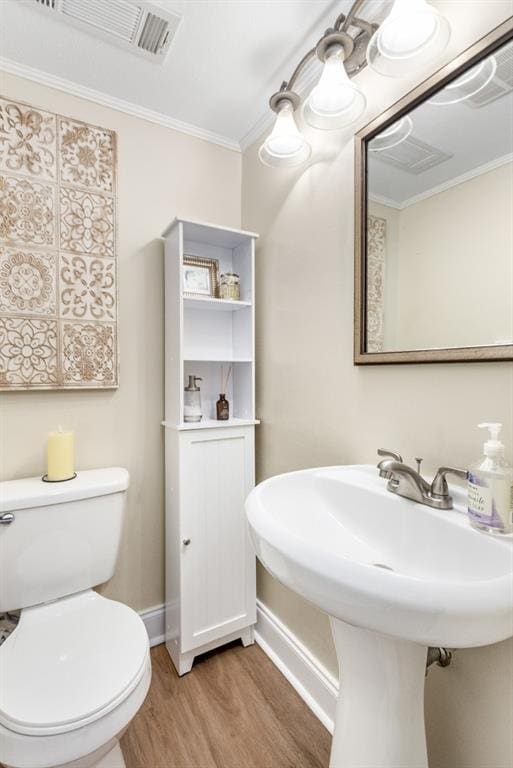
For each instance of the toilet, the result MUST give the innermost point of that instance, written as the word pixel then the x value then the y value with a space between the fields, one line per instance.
pixel 76 669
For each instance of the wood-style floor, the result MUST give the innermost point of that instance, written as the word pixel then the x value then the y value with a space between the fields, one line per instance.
pixel 234 710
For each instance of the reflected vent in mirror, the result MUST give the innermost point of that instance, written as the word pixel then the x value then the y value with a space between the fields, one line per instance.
pixel 412 155
pixel 500 85
pixel 140 27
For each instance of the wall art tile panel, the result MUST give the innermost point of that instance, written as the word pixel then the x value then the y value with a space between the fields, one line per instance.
pixel 58 266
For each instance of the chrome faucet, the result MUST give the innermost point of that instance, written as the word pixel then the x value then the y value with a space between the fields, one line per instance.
pixel 409 483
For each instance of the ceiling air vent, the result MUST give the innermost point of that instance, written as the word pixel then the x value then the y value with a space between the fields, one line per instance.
pixel 153 33
pixel 500 85
pixel 141 27
pixel 412 155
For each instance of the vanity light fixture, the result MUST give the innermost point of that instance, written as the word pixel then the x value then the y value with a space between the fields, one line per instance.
pixel 335 101
pixel 285 146
pixel 412 34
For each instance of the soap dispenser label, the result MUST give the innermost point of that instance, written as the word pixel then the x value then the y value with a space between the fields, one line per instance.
pixel 490 502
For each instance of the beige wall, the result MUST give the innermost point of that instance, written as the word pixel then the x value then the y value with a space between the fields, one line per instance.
pixel 449 267
pixel 317 408
pixel 161 174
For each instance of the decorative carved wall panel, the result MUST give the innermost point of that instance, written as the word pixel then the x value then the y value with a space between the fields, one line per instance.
pixel 58 282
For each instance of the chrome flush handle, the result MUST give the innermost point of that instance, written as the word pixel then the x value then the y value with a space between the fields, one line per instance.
pixel 7 518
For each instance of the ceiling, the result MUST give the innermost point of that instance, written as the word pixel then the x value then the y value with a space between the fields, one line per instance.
pixel 227 58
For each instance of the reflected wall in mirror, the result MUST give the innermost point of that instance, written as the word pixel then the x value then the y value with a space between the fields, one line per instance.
pixel 435 216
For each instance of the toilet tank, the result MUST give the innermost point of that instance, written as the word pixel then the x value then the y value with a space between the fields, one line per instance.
pixel 64 537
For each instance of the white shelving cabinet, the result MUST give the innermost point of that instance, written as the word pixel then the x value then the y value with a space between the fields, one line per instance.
pixel 210 564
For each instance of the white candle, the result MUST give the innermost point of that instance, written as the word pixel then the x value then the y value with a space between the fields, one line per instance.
pixel 60 455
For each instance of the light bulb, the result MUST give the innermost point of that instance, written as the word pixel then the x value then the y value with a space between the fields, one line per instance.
pixel 335 101
pixel 285 146
pixel 413 34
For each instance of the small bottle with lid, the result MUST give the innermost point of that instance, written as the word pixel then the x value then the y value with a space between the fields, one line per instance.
pixel 490 487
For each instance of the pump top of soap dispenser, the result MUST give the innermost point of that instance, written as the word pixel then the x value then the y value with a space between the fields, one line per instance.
pixel 192 384
pixel 493 446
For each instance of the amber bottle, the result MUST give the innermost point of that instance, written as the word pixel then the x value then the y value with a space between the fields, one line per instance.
pixel 223 408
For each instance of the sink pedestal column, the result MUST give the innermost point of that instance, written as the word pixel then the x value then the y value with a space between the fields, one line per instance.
pixel 380 710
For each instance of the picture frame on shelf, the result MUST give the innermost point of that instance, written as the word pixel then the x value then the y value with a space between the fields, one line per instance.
pixel 200 276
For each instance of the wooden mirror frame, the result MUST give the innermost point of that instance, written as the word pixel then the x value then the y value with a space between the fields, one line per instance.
pixel 484 47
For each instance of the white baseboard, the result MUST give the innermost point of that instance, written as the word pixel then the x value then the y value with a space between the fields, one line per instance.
pixel 316 686
pixel 154 622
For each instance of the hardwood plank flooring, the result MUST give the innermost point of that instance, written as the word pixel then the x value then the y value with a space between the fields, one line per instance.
pixel 233 710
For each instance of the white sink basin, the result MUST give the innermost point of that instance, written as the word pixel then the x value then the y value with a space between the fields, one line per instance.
pixel 332 535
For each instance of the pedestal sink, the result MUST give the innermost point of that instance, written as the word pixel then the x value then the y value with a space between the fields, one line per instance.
pixel 395 577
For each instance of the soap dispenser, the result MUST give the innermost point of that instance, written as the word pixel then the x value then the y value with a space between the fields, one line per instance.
pixel 490 486
pixel 192 400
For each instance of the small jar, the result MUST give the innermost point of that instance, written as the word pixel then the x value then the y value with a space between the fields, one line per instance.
pixel 229 286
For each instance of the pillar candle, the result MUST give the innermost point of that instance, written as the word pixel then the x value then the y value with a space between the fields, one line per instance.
pixel 60 455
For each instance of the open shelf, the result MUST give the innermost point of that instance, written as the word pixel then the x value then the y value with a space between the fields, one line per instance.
pixel 208 303
pixel 239 391
pixel 204 335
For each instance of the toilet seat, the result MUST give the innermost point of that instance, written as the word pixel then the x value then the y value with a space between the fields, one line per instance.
pixel 70 663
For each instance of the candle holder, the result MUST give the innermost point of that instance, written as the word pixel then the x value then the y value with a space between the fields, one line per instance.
pixel 64 480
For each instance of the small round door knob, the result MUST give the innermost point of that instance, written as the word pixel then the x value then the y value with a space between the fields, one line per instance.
pixel 186 542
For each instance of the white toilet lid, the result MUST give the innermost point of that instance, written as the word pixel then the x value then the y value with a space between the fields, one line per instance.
pixel 70 662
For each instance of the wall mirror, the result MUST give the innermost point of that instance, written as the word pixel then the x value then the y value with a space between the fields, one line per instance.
pixel 434 216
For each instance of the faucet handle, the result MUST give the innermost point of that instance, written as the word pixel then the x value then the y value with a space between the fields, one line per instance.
pixel 390 454
pixel 382 466
pixel 439 485
pixel 419 462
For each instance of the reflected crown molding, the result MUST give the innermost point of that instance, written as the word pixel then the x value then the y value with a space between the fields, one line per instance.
pixel 468 176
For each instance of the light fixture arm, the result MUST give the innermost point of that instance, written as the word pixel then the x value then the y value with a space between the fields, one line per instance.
pixel 309 55
pixel 350 19
pixel 354 51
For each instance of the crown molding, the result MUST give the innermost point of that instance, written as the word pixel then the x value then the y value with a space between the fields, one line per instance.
pixel 98 97
pixel 480 170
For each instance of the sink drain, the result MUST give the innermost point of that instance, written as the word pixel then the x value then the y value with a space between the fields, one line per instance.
pixel 382 565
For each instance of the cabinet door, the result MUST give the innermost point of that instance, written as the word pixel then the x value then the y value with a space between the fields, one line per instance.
pixel 218 564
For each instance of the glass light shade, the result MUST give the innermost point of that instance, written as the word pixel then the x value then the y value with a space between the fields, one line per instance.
pixel 411 36
pixel 467 85
pixel 285 146
pixel 335 101
pixel 392 136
